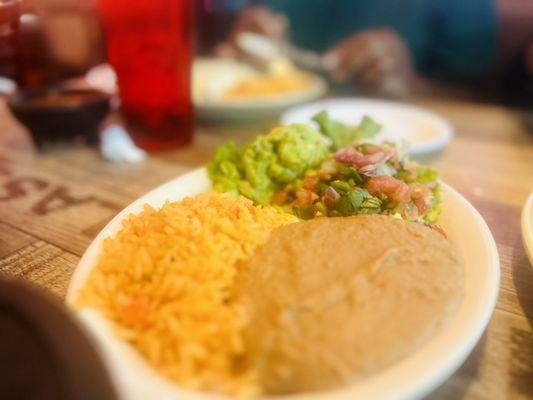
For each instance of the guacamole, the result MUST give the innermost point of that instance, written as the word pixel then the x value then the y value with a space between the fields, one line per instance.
pixel 268 163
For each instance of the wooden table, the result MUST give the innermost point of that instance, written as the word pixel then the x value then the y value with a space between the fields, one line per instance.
pixel 53 204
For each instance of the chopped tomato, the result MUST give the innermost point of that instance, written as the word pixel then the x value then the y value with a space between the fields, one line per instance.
pixel 358 159
pixel 389 186
pixel 310 182
pixel 421 196
pixel 280 198
pixel 371 149
pixel 422 205
pixel 305 197
pixel 419 191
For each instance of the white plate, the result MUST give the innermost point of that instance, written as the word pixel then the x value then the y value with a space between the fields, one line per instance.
pixel 423 130
pixel 412 377
pixel 212 76
pixel 527 227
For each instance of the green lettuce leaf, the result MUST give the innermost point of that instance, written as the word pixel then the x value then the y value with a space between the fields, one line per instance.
pixel 436 209
pixel 357 201
pixel 426 174
pixel 342 135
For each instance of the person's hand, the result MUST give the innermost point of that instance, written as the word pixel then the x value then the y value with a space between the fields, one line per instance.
pixel 376 60
pixel 255 19
pixel 72 31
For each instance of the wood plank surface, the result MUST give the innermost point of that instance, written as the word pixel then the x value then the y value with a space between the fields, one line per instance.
pixel 53 204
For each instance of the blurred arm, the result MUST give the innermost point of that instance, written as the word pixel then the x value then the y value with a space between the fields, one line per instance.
pixel 72 32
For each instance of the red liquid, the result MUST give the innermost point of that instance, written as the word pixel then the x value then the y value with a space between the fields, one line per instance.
pixel 150 45
pixel 9 22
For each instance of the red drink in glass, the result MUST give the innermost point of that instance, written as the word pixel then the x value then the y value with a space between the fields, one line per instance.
pixel 9 22
pixel 150 46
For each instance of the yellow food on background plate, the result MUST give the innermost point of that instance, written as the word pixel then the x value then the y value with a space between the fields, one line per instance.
pixel 268 84
pixel 281 77
pixel 165 280
pixel 230 80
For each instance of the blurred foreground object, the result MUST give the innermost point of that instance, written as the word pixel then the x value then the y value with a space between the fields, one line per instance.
pixel 44 353
pixel 150 46
pixel 58 114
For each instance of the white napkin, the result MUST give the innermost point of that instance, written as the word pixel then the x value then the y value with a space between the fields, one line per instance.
pixel 117 146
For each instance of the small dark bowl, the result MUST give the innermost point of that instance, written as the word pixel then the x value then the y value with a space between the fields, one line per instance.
pixel 60 114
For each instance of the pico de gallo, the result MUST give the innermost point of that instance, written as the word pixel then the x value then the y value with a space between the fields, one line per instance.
pixel 338 170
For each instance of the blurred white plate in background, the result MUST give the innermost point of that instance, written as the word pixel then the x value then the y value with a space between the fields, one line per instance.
pixel 424 131
pixel 212 76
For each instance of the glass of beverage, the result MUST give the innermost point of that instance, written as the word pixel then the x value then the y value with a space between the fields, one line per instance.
pixel 9 22
pixel 150 46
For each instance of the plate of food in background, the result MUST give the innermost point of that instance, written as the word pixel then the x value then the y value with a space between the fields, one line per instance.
pixel 306 264
pixel 226 89
pixel 424 131
pixel 231 90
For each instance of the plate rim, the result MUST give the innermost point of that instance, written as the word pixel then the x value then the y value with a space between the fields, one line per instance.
pixel 526 219
pixel 415 389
